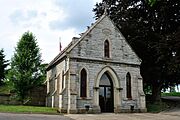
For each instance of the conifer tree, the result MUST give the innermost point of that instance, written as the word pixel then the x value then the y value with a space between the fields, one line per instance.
pixel 3 65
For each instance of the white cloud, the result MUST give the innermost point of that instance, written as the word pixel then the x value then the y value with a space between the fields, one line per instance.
pixel 78 14
pixel 47 19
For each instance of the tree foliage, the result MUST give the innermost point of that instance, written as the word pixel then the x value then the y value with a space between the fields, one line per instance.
pixel 26 68
pixel 152 29
pixel 3 65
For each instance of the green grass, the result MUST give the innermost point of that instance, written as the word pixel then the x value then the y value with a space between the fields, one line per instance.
pixel 171 94
pixel 156 107
pixel 27 109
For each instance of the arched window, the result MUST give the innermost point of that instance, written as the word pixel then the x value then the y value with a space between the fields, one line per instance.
pixel 128 85
pixel 83 87
pixel 106 49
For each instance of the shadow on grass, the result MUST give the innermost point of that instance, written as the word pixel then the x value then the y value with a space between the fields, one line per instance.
pixel 156 107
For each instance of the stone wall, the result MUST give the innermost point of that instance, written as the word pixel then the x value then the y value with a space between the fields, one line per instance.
pixel 91 46
pixel 37 97
pixel 55 77
pixel 93 68
pixel 5 98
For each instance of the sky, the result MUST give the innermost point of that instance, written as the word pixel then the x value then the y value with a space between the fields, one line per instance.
pixel 50 21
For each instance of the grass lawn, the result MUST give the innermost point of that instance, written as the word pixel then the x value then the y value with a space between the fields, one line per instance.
pixel 171 94
pixel 27 109
pixel 156 107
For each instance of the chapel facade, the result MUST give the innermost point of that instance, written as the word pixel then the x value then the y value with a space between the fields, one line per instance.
pixel 98 72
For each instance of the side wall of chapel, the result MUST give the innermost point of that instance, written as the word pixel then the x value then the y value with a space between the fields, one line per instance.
pixel 57 86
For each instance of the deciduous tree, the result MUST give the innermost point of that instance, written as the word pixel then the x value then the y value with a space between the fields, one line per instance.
pixel 152 29
pixel 26 69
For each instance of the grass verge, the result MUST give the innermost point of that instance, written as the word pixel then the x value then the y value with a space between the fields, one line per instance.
pixel 27 109
pixel 156 107
pixel 171 94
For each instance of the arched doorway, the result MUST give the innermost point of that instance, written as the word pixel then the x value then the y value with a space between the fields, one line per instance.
pixel 106 93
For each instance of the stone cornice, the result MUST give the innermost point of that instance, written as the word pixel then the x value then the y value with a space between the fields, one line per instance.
pixel 103 61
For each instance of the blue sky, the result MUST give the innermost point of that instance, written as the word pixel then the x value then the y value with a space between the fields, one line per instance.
pixel 49 20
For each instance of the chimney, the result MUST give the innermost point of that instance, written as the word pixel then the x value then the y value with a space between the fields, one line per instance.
pixel 74 39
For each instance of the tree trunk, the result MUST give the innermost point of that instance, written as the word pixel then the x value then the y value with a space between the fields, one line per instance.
pixel 156 92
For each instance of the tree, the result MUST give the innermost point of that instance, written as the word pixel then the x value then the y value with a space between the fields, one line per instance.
pixel 3 65
pixel 43 71
pixel 26 66
pixel 152 29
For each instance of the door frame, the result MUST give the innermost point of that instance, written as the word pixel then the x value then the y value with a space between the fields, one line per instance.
pixel 116 86
pixel 105 87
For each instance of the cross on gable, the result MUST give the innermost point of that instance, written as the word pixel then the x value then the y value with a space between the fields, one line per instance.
pixel 105 7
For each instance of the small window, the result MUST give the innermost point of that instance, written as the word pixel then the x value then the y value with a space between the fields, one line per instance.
pixel 128 85
pixel 63 82
pixel 106 49
pixel 83 87
pixel 55 84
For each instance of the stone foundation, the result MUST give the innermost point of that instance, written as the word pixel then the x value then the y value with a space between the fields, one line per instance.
pixel 97 110
pixel 133 111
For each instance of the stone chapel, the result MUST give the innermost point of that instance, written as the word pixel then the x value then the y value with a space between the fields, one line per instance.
pixel 98 72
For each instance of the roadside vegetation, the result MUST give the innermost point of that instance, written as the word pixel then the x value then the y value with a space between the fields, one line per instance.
pixel 4 90
pixel 156 107
pixel 162 105
pixel 27 109
pixel 171 94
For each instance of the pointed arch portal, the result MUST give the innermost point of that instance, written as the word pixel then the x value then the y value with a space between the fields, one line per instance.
pixel 107 96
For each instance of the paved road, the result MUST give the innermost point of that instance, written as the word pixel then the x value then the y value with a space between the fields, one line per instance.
pixel 10 116
pixel 106 116
pixel 171 98
pixel 134 116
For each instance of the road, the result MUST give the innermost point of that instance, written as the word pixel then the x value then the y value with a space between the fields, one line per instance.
pixel 127 116
pixel 10 116
pixel 105 116
pixel 171 98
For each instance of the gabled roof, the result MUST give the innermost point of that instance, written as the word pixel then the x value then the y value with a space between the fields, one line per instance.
pixel 71 45
pixel 63 54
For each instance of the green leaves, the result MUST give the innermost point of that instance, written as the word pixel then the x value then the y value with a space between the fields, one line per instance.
pixel 26 70
pixel 152 2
